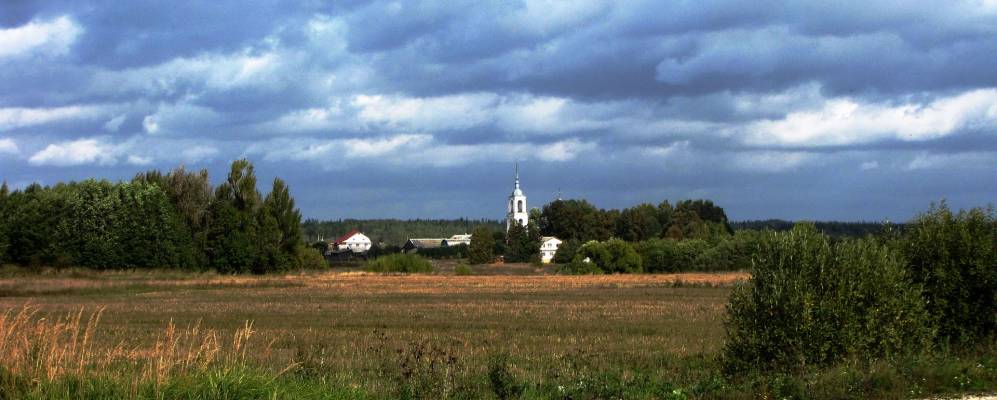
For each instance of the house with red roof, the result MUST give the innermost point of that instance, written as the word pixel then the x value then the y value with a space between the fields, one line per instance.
pixel 352 241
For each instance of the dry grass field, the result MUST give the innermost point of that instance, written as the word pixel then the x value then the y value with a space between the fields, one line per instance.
pixel 349 324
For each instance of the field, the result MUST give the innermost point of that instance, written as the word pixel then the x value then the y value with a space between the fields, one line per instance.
pixel 354 325
pixel 508 332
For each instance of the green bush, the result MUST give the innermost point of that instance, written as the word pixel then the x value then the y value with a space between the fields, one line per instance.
pixel 566 251
pixel 954 255
pixel 731 254
pixel 811 303
pixel 310 258
pixel 612 256
pixel 579 267
pixel 667 255
pixel 400 263
pixel 463 270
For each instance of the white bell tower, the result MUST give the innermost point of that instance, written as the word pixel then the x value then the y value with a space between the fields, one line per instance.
pixel 517 206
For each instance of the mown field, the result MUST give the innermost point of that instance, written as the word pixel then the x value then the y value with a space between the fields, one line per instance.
pixel 369 332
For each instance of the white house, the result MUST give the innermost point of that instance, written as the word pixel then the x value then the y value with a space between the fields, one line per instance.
pixel 457 240
pixel 548 247
pixel 352 241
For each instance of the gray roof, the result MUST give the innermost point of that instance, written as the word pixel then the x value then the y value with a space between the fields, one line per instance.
pixel 425 243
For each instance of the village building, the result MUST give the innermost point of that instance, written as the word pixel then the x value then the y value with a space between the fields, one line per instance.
pixel 548 247
pixel 352 241
pixel 414 245
pixel 458 240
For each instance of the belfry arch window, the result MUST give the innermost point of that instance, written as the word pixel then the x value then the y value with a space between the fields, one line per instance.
pixel 520 206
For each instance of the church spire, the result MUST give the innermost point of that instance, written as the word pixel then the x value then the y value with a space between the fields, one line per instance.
pixel 517 174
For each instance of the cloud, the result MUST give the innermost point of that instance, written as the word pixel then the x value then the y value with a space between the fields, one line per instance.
pixel 211 71
pixel 869 165
pixel 113 124
pixel 52 37
pixel 76 152
pixel 412 150
pixel 19 117
pixel 8 146
pixel 198 153
pixel 844 121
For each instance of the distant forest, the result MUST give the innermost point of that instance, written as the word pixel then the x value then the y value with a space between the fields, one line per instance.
pixel 395 231
pixel 830 228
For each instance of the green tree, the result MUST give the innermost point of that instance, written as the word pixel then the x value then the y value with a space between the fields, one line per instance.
pixel 482 246
pixel 571 219
pixel 235 241
pixel 638 223
pixel 523 244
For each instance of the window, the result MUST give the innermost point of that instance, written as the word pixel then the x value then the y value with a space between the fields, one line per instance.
pixel 520 206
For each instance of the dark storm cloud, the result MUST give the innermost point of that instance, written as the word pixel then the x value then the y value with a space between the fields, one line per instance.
pixel 418 109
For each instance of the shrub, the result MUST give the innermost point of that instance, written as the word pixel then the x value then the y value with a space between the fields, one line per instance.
pixel 579 267
pixel 310 258
pixel 503 383
pixel 566 251
pixel 463 269
pixel 667 255
pixel 400 263
pixel 811 303
pixel 954 255
pixel 731 254
pixel 611 256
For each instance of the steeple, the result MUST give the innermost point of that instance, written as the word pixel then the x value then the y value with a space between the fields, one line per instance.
pixel 517 191
pixel 517 211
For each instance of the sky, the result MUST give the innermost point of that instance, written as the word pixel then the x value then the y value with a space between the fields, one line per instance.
pixel 845 110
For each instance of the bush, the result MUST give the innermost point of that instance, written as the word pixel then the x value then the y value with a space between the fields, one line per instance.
pixel 566 251
pixel 463 269
pixel 400 263
pixel 611 256
pixel 954 255
pixel 811 303
pixel 579 267
pixel 667 255
pixel 731 254
pixel 310 258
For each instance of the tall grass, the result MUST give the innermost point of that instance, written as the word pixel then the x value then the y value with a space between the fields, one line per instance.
pixel 48 349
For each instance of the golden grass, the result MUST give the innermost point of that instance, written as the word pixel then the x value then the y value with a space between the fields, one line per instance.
pixel 349 322
pixel 47 346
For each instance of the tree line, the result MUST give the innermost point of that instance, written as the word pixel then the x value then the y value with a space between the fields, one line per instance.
pixel 157 220
pixel 831 228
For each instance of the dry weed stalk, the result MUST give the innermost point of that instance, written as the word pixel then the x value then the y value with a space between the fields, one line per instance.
pixel 45 347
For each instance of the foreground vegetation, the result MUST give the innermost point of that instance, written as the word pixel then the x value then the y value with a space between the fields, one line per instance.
pixel 166 334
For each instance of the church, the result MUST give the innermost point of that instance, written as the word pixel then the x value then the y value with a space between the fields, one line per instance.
pixel 517 213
